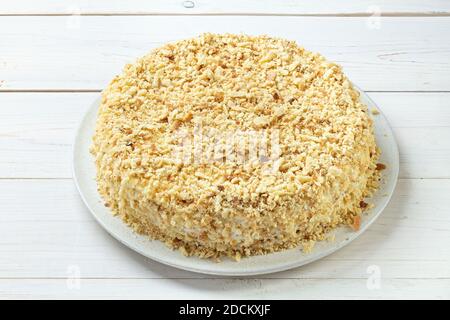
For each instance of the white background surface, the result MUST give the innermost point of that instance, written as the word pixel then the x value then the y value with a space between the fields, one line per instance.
pixel 56 55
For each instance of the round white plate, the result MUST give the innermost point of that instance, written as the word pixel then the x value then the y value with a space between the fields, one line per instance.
pixel 84 176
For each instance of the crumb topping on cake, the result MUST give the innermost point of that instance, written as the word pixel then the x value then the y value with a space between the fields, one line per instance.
pixel 327 160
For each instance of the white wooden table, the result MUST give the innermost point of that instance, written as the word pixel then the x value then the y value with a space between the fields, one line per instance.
pixel 55 57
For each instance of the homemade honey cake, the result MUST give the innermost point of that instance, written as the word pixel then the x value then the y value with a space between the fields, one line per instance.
pixel 321 163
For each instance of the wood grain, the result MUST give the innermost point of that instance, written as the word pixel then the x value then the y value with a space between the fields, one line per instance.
pixel 84 53
pixel 66 48
pixel 223 289
pixel 252 7
pixel 37 131
pixel 51 230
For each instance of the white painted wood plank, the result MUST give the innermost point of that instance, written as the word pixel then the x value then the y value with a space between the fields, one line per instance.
pixel 224 289
pixel 223 7
pixel 414 110
pixel 37 131
pixel 424 152
pixel 47 233
pixel 67 52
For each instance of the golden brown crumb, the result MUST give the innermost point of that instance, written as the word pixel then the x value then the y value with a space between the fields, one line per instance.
pixel 327 157
pixel 356 223
pixel 308 246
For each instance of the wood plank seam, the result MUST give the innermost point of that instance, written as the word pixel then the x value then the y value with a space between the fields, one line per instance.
pixel 168 14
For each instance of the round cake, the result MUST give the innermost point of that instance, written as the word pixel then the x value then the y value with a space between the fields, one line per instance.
pixel 234 145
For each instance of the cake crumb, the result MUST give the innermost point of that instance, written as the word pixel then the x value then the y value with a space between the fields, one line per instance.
pixel 356 223
pixel 215 207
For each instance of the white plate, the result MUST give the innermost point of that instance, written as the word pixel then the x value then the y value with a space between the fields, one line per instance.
pixel 84 176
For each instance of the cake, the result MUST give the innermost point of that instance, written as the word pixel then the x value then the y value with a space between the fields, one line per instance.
pixel 234 145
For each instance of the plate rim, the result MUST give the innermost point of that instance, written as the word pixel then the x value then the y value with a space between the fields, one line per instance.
pixel 211 271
